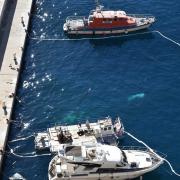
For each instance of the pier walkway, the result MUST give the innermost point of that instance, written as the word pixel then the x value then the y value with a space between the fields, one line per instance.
pixel 11 64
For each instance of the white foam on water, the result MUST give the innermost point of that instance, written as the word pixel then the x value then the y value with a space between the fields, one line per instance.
pixel 51 107
pixel 136 96
pixel 34 32
pixel 33 76
pixel 17 176
pixel 38 94
pixel 26 84
pixel 48 77
pixel 26 125
pixel 51 16
pixel 32 56
pixel 42 36
pixel 45 14
pixel 33 64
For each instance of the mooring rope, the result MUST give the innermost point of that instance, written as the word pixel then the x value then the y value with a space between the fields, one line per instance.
pixel 106 37
pixel 88 38
pixel 21 139
pixel 25 155
pixel 172 169
pixel 169 39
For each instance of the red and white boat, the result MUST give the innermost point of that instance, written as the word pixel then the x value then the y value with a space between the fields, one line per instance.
pixel 106 22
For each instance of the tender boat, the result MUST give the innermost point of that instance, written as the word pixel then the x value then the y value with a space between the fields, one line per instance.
pixel 102 22
pixel 104 162
pixel 103 131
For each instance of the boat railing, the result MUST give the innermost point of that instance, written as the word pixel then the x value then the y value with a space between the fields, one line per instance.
pixel 70 18
pixel 141 15
pixel 161 154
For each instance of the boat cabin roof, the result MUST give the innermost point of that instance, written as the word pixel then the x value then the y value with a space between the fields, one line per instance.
pixel 95 152
pixel 109 14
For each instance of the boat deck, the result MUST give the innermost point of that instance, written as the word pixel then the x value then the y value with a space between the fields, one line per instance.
pixel 101 131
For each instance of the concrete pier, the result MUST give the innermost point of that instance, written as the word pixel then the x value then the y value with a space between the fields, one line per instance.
pixel 11 63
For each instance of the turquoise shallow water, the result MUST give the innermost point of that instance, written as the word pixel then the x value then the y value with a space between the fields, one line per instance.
pixel 137 78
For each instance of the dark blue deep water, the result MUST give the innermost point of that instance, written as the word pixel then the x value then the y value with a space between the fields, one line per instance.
pixel 137 78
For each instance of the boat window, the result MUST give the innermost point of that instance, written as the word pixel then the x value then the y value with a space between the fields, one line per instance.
pixel 115 18
pixel 109 128
pixel 121 19
pixel 73 151
pixel 91 18
pixel 107 21
pixel 105 129
pixel 148 159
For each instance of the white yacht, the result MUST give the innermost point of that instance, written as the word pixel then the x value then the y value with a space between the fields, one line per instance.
pixel 103 131
pixel 97 161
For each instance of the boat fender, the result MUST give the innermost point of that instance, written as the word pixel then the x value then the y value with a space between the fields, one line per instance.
pixel 126 31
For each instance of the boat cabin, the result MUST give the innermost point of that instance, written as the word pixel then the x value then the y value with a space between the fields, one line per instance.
pixel 109 19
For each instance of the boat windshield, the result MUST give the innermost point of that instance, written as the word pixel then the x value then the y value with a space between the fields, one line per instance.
pixel 124 156
pixel 90 18
pixel 73 151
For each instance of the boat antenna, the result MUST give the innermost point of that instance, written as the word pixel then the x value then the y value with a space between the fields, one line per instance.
pixel 98 6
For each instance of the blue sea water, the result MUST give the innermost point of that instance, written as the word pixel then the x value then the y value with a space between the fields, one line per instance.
pixel 136 77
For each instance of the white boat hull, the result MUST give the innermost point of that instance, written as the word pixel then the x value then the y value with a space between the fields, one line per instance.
pixel 110 176
pixel 107 32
